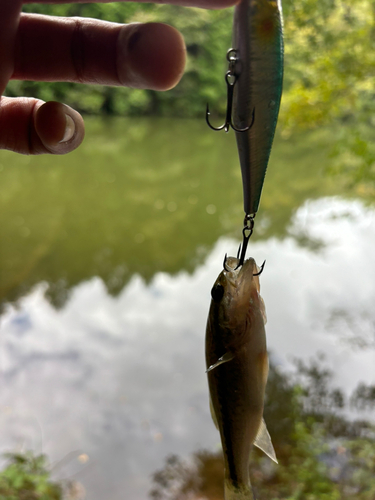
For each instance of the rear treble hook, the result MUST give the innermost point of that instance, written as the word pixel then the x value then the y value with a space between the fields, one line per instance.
pixel 230 79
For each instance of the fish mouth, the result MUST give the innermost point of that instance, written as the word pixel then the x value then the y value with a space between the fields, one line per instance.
pixel 235 273
pixel 231 265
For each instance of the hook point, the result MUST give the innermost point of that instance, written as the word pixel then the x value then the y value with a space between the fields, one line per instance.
pixel 261 269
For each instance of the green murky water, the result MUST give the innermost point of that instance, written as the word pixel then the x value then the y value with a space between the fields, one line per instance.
pixel 140 196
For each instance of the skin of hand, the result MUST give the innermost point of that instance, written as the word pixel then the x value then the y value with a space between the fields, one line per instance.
pixel 46 48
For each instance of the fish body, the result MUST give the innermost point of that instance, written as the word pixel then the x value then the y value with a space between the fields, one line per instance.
pixel 258 42
pixel 237 369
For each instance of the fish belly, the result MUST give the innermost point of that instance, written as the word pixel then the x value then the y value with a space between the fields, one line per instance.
pixel 237 395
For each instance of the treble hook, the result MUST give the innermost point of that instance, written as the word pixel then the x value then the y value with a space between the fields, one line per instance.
pixel 247 231
pixel 230 79
pixel 225 264
pixel 261 269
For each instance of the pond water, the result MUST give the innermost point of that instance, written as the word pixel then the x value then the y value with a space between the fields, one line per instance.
pixel 107 258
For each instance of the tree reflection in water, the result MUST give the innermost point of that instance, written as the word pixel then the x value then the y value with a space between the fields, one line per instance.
pixel 324 452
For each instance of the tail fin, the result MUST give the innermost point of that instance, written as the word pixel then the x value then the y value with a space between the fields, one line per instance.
pixel 233 493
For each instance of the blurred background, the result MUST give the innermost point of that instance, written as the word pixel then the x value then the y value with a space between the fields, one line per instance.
pixel 108 255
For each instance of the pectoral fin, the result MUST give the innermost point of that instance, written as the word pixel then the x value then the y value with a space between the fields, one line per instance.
pixel 264 443
pixel 228 356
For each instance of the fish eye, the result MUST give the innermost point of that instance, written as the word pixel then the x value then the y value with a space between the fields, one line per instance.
pixel 217 292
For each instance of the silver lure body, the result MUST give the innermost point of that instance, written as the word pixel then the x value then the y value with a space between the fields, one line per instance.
pixel 258 42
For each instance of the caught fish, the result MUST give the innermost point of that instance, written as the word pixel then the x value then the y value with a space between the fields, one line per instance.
pixel 237 370
pixel 258 45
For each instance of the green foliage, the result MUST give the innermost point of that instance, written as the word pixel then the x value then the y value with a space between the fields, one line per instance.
pixel 27 478
pixel 329 61
pixel 330 79
pixel 361 454
pixel 303 476
pixel 353 155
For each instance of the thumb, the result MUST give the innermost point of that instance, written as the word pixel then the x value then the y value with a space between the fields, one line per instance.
pixel 31 126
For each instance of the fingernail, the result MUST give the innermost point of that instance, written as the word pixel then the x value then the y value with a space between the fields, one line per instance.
pixel 70 129
pixel 150 56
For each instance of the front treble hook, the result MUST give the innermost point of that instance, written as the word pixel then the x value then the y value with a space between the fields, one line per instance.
pixel 230 79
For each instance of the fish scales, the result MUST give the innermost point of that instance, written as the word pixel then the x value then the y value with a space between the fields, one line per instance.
pixel 237 369
pixel 258 41
pixel 232 390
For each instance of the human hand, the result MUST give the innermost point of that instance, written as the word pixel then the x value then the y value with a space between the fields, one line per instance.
pixel 45 48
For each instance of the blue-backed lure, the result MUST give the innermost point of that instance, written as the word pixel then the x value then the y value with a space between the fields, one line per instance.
pixel 254 80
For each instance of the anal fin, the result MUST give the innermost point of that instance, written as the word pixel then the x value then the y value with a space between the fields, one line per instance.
pixel 263 441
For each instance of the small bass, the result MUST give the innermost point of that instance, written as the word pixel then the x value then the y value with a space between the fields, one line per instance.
pixel 237 370
pixel 258 45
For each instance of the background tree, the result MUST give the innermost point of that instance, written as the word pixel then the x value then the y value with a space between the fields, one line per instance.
pixel 329 73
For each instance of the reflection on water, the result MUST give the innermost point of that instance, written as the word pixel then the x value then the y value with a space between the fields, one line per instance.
pixel 321 454
pixel 119 377
pixel 139 197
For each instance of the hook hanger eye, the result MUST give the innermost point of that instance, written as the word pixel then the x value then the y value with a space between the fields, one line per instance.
pixel 247 231
pixel 230 79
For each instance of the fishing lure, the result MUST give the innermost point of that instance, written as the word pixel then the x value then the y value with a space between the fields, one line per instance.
pixel 254 82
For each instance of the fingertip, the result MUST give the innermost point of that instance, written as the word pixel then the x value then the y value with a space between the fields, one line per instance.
pixel 150 55
pixel 59 128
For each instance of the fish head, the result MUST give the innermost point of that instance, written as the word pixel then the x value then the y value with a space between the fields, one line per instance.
pixel 236 302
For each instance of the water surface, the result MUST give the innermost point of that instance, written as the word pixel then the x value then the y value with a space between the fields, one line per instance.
pixel 107 259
